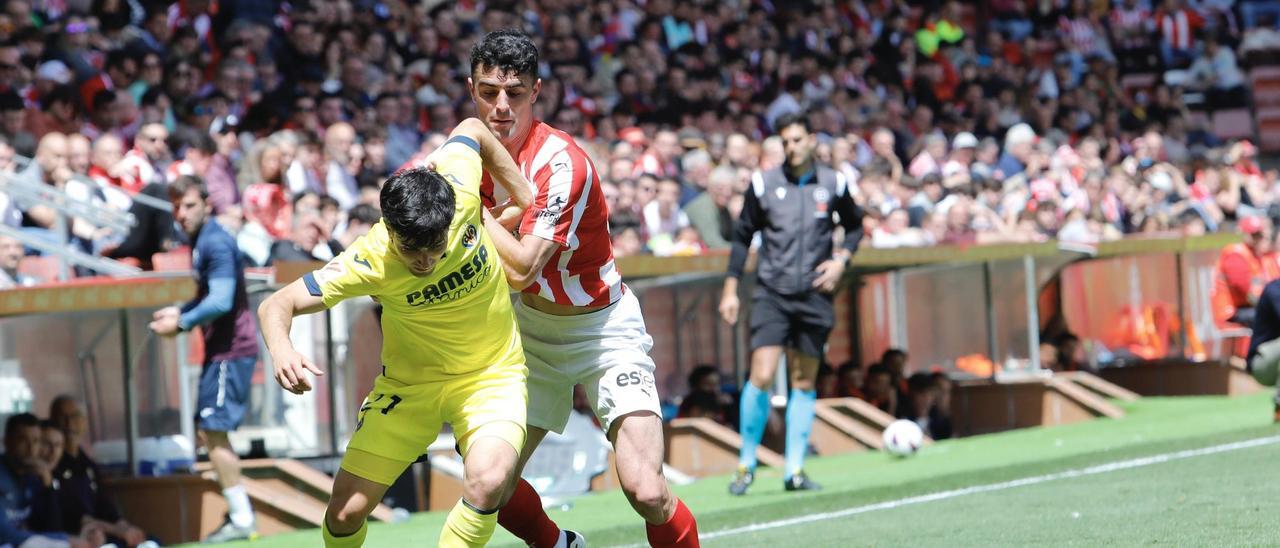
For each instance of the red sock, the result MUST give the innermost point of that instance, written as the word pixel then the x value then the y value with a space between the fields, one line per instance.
pixel 524 517
pixel 681 531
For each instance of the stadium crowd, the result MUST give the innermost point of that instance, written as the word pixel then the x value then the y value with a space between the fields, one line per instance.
pixel 1005 121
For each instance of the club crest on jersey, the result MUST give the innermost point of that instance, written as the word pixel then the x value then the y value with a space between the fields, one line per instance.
pixel 470 236
pixel 821 195
pixel 781 192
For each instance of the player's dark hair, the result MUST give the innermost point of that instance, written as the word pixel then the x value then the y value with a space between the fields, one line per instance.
pixel 508 50
pixel 16 422
pixel 792 119
pixel 186 183
pixel 418 206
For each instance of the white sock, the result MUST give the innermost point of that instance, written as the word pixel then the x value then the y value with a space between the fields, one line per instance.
pixel 564 540
pixel 238 502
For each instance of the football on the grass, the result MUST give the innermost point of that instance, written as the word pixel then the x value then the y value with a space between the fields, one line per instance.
pixel 903 438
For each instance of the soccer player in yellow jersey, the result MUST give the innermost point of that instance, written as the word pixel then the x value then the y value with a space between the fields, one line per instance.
pixel 451 351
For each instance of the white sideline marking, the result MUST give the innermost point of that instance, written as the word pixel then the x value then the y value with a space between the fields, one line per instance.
pixel 1033 480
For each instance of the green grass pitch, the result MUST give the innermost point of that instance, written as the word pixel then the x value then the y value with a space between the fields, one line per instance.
pixel 1225 497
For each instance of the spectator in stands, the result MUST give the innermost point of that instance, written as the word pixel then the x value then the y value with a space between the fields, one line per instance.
pixel 879 389
pixel 306 233
pixel 920 405
pixel 80 496
pixel 146 163
pixel 11 253
pixel 792 308
pixel 22 494
pixel 895 360
pixel 663 217
pixel 1216 74
pixel 104 116
pixel 339 179
pixel 230 339
pixel 27 488
pixel 705 398
pixel 709 212
pixel 1240 276
pixel 849 380
pixel 626 239
pixel 48 169
pixel 202 159
pixel 940 413
pixel 13 123
pixel 827 383
pixel 1178 26
pixel 359 220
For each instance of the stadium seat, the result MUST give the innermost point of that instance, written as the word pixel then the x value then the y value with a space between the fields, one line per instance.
pixel 43 268
pixel 1233 124
pixel 1138 81
pixel 176 260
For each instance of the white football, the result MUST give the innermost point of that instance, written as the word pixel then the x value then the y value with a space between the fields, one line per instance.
pixel 903 438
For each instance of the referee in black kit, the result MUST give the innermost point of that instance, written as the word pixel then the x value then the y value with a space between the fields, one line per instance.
pixel 794 207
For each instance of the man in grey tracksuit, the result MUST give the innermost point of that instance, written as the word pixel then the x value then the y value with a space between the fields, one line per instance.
pixel 795 208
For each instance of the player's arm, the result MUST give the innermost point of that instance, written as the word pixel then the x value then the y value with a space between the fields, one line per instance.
pixel 522 258
pixel 497 161
pixel 220 271
pixel 831 271
pixel 275 316
pixel 564 182
pixel 749 221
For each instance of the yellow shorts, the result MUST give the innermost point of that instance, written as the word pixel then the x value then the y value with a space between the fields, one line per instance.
pixel 398 421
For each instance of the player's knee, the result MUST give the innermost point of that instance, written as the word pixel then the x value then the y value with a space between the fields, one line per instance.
pixel 647 492
pixel 485 487
pixel 342 518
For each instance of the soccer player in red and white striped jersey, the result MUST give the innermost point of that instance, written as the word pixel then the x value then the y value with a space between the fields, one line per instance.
pixel 578 321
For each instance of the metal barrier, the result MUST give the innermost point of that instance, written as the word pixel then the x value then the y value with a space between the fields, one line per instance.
pixel 940 304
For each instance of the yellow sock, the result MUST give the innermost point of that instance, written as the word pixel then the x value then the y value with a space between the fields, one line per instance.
pixel 466 527
pixel 354 540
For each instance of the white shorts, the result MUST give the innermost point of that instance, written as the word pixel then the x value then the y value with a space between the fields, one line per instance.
pixel 606 351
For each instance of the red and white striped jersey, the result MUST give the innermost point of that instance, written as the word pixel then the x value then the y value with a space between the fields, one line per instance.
pixel 1179 26
pixel 569 209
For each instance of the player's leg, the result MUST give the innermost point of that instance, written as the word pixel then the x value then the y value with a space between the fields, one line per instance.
pixel 395 424
pixel 222 400
pixel 621 388
pixel 353 499
pixel 754 408
pixel 811 318
pixel 639 450
pixel 522 513
pixel 488 412
pixel 801 406
pixel 550 395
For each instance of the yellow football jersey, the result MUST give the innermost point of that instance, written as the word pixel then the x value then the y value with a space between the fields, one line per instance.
pixel 456 320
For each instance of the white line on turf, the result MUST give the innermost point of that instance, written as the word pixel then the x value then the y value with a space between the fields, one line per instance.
pixel 953 493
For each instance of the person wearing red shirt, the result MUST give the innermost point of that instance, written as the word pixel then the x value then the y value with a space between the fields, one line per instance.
pixel 1240 275
pixel 562 261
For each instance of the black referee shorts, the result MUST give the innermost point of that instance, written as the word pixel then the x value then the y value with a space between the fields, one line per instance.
pixel 799 321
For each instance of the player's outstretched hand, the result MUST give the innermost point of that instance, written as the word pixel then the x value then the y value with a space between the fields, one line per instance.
pixel 291 368
pixel 729 308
